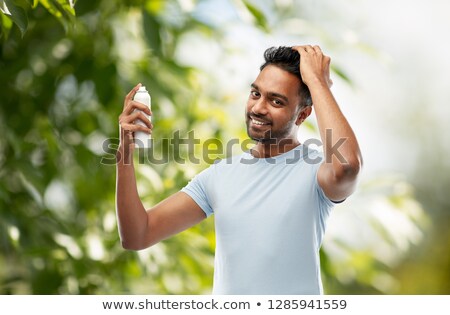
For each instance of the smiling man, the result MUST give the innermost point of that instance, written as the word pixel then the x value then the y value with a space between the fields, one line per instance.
pixel 271 203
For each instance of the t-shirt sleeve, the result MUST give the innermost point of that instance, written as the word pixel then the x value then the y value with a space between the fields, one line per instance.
pixel 318 156
pixel 198 189
pixel 325 203
pixel 322 197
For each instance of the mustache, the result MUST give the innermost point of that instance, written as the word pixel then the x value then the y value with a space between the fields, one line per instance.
pixel 259 118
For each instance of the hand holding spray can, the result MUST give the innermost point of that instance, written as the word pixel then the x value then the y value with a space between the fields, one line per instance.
pixel 142 139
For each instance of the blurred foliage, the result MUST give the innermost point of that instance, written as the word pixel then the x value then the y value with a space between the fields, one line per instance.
pixel 65 67
pixel 426 269
pixel 362 247
pixel 62 91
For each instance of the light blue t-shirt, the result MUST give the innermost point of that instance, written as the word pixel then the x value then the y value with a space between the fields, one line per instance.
pixel 270 216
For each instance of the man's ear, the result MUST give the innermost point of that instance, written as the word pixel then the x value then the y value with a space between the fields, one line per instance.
pixel 303 114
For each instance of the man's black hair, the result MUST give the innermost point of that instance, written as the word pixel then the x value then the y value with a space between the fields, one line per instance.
pixel 288 59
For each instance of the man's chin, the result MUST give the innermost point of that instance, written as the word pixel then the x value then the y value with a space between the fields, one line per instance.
pixel 263 138
pixel 265 141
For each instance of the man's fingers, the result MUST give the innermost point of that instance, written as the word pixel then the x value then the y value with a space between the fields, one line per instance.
pixel 128 128
pixel 143 118
pixel 317 49
pixel 300 49
pixel 132 112
pixel 303 48
pixel 132 126
pixel 134 116
pixel 309 48
pixel 132 105
pixel 130 95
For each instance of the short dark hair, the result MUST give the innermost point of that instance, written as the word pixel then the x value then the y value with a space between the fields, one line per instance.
pixel 288 59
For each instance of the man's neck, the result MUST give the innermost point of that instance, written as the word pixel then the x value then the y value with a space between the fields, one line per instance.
pixel 267 150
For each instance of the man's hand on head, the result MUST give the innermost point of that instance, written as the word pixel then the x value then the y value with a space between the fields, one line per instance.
pixel 314 65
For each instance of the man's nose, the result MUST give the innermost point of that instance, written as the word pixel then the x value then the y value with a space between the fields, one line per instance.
pixel 260 107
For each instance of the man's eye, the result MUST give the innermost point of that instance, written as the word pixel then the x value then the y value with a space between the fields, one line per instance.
pixel 255 93
pixel 277 102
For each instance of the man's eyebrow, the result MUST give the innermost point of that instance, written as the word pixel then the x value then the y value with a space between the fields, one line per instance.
pixel 279 96
pixel 272 94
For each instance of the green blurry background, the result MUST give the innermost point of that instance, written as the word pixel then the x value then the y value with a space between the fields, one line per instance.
pixel 65 67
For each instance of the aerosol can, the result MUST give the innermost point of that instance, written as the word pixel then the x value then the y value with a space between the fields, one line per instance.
pixel 142 139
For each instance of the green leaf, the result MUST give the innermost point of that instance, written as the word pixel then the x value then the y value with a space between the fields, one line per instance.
pixel 6 24
pixel 341 73
pixel 18 15
pixel 3 7
pixel 62 10
pixel 261 20
pixel 65 7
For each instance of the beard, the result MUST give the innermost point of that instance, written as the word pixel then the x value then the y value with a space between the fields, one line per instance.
pixel 270 135
pixel 265 137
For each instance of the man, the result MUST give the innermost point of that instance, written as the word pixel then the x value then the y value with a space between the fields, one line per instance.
pixel 271 203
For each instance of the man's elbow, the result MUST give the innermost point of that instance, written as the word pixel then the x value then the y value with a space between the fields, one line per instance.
pixel 131 245
pixel 350 170
pixel 135 245
pixel 128 245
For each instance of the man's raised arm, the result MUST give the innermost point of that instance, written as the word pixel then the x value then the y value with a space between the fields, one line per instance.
pixel 140 228
pixel 338 174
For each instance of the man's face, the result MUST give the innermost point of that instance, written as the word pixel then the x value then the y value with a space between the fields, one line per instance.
pixel 272 106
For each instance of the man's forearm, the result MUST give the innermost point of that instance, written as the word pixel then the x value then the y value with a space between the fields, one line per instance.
pixel 341 148
pixel 131 213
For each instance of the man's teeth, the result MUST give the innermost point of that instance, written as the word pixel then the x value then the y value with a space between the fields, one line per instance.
pixel 259 122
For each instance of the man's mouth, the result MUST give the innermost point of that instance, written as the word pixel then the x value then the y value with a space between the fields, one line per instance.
pixel 259 122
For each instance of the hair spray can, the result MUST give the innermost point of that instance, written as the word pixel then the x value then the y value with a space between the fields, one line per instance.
pixel 142 139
